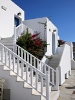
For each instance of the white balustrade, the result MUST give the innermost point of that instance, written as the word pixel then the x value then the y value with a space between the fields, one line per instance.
pixel 53 77
pixel 43 67
pixel 20 29
pixel 14 60
pixel 47 87
pixel 9 59
pixel 57 77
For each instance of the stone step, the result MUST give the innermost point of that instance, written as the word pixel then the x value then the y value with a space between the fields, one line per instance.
pixel 55 58
pixel 54 61
pixel 56 55
pixel 39 89
pixel 54 95
pixel 53 66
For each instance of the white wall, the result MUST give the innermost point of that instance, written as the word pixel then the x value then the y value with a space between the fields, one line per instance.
pixel 33 23
pixel 65 64
pixel 60 49
pixel 51 47
pixel 7 17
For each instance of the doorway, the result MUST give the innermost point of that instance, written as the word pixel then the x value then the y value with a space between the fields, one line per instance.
pixel 17 20
pixel 53 43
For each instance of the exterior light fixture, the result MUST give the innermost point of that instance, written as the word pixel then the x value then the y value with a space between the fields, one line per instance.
pixel 4 8
pixel 19 13
pixel 54 30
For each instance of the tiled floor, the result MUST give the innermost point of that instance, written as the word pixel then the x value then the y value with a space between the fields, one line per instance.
pixel 68 88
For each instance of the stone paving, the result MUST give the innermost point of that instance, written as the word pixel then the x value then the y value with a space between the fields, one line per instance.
pixel 67 90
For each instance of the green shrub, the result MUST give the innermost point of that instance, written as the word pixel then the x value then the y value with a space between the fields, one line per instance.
pixel 31 43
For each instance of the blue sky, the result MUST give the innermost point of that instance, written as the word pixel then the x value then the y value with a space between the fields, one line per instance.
pixel 62 14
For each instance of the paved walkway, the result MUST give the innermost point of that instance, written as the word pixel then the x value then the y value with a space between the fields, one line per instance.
pixel 67 90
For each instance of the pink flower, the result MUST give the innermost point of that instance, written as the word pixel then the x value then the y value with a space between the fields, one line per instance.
pixel 34 35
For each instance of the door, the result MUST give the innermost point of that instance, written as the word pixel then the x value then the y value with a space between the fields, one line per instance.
pixel 16 21
pixel 53 43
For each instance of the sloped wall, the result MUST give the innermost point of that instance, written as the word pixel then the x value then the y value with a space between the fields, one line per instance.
pixel 65 64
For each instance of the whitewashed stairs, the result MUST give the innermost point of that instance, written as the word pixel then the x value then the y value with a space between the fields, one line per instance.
pixel 20 90
pixel 54 62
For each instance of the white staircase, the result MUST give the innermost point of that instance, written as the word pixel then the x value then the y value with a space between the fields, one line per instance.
pixel 54 63
pixel 50 67
pixel 8 42
pixel 41 84
pixel 25 85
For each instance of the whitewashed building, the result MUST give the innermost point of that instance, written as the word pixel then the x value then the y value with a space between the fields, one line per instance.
pixel 24 85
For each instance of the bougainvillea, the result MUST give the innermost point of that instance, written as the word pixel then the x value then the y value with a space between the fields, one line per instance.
pixel 61 42
pixel 31 43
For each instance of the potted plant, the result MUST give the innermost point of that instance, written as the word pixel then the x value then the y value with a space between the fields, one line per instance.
pixel 49 57
pixel 61 42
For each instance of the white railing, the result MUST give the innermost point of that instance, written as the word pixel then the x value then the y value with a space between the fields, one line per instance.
pixel 9 59
pixel 43 67
pixel 64 64
pixel 20 29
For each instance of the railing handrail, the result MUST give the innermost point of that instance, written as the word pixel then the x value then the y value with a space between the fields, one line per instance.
pixel 18 26
pixel 21 59
pixel 20 29
pixel 42 66
pixel 35 57
pixel 24 25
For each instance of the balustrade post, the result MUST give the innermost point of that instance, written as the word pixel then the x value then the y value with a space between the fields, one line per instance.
pixel 53 76
pixel 6 57
pixel 2 53
pixel 57 79
pixel 47 87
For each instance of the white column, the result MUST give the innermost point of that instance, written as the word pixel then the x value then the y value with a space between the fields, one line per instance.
pixel 55 41
pixel 57 79
pixel 47 87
